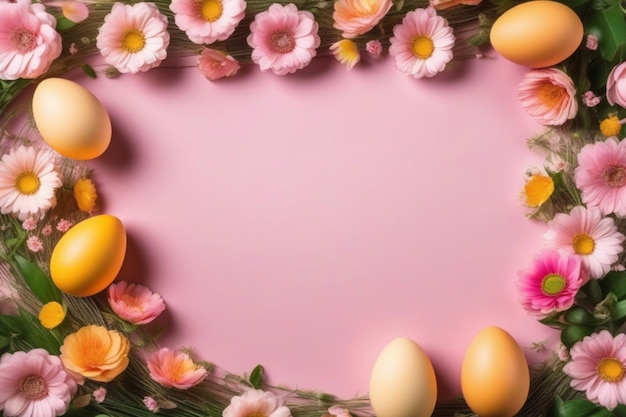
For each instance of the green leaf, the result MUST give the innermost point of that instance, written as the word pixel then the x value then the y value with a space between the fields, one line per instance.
pixel 87 69
pixel 614 282
pixel 610 28
pixel 620 411
pixel 38 336
pixel 619 310
pixel 578 315
pixel 594 291
pixel 573 408
pixel 11 325
pixel 39 282
pixel 256 377
pixel 63 23
pixel 575 333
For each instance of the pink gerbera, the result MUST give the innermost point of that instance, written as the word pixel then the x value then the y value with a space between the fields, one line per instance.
pixel 598 367
pixel 134 37
pixel 551 283
pixel 601 176
pixel 283 39
pixel 422 44
pixel 34 384
pixel 135 303
pixel 207 21
pixel 548 95
pixel 255 402
pixel 584 232
pixel 29 42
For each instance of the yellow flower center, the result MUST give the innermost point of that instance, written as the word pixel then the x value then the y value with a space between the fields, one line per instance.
pixel 133 302
pixel 211 10
pixel 553 284
pixel 614 176
pixel 583 244
pixel 27 183
pixel 133 41
pixel 422 47
pixel 610 369
pixel 550 95
pixel 33 388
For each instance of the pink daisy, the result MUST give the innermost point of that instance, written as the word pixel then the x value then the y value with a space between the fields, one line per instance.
pixel 175 369
pixel 598 367
pixel 29 42
pixel 28 182
pixel 551 283
pixel 135 303
pixel 34 384
pixel 255 402
pixel 207 21
pixel 584 232
pixel 601 176
pixel 548 95
pixel 283 39
pixel 422 43
pixel 133 38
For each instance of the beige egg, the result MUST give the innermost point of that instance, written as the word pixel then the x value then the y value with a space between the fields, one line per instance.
pixel 71 119
pixel 494 377
pixel 537 34
pixel 402 382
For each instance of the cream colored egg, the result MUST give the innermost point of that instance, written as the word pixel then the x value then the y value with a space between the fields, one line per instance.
pixel 71 119
pixel 494 377
pixel 537 34
pixel 402 382
pixel 89 256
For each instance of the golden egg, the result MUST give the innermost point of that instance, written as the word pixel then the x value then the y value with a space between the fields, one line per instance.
pixel 402 382
pixel 89 256
pixel 494 377
pixel 537 34
pixel 71 119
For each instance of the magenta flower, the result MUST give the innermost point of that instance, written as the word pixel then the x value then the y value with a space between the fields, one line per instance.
pixel 422 43
pixel 214 64
pixel 283 39
pixel 34 384
pixel 207 21
pixel 255 402
pixel 585 233
pixel 29 42
pixel 175 369
pixel 601 176
pixel 135 303
pixel 616 86
pixel 598 367
pixel 133 38
pixel 551 283
pixel 549 96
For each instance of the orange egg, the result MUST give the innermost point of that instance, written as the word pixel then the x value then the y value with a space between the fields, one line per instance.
pixel 71 119
pixel 537 34
pixel 495 378
pixel 89 256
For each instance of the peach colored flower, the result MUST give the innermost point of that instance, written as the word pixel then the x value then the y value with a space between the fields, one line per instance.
pixel 135 303
pixel 549 96
pixel 356 17
pixel 616 86
pixel 95 353
pixel 175 369
pixel 215 64
pixel 73 10
pixel 256 402
pixel 446 4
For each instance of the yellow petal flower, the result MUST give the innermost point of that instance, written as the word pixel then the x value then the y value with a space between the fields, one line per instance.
pixel 346 52
pixel 610 126
pixel 538 190
pixel 85 194
pixel 51 315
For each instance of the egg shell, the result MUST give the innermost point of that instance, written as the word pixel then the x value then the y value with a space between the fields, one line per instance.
pixel 495 378
pixel 89 256
pixel 402 382
pixel 71 119
pixel 537 34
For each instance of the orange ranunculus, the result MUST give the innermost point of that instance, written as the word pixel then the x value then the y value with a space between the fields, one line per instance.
pixel 96 353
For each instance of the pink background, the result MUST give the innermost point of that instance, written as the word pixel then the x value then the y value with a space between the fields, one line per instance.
pixel 304 222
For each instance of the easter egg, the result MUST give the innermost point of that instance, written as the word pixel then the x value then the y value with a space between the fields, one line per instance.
pixel 402 381
pixel 71 119
pixel 495 378
pixel 89 256
pixel 537 34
